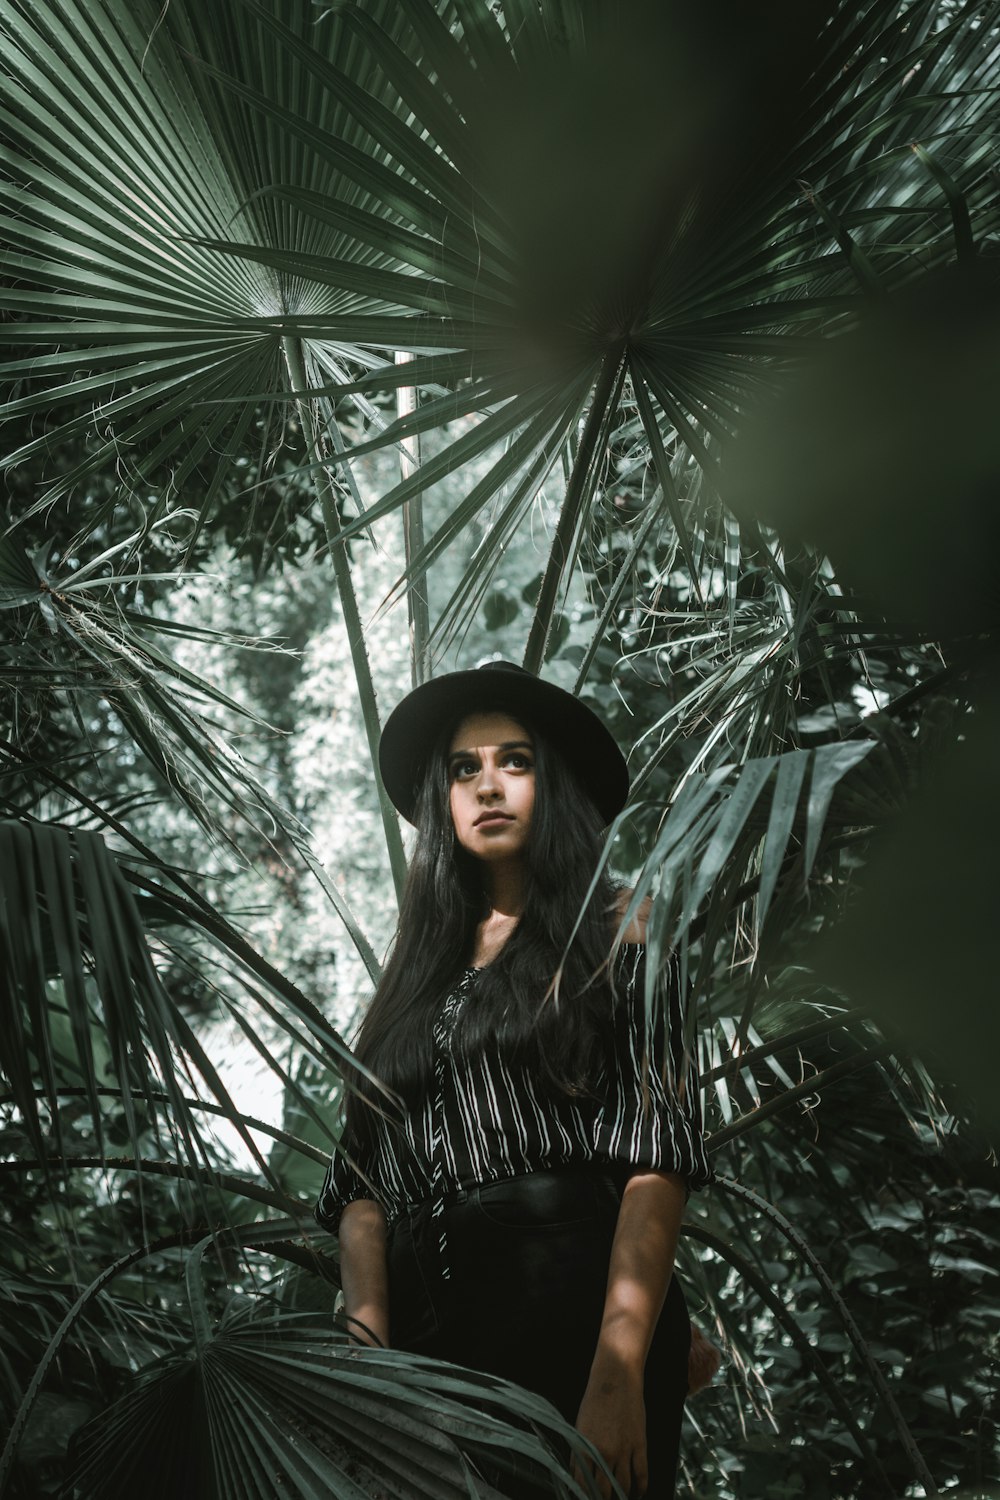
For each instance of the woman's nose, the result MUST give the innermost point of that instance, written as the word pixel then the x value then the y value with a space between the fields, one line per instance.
pixel 488 784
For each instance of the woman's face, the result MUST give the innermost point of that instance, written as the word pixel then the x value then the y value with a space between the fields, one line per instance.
pixel 491 773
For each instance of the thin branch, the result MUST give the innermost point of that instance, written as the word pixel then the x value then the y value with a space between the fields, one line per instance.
pixel 781 1044
pixel 224 1182
pixel 786 1320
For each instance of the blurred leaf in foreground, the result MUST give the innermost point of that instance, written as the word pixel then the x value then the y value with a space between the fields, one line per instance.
pixel 887 454
pixel 918 950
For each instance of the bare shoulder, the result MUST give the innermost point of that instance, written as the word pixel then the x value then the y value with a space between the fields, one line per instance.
pixel 635 932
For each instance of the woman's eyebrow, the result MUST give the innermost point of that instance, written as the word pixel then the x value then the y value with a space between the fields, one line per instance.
pixel 507 745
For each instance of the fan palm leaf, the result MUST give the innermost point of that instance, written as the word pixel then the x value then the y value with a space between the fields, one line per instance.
pixel 278 203
pixel 73 944
pixel 106 210
pixel 385 121
pixel 269 1399
pixel 86 643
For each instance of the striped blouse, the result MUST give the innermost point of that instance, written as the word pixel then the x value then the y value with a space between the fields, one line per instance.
pixel 485 1120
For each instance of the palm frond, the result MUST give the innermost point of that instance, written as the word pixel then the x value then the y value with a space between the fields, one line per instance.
pixel 271 1399
pixel 399 194
pixel 74 946
pixel 802 1248
pixel 785 1319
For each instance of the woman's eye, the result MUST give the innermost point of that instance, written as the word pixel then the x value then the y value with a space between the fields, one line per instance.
pixel 518 761
pixel 463 768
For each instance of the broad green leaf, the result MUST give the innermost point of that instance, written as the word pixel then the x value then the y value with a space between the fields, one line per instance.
pixel 784 805
pixel 830 764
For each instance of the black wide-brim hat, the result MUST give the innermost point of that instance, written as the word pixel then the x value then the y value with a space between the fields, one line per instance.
pixel 415 725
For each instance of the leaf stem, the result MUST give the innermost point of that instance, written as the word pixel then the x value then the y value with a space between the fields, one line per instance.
pixel 295 361
pixel 413 538
pixel 608 385
pixel 225 1182
pixel 104 1091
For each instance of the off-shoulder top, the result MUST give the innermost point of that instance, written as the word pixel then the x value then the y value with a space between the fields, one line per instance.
pixel 486 1120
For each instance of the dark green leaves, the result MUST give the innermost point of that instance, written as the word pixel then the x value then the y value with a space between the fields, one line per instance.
pixel 87 1006
pixel 267 1404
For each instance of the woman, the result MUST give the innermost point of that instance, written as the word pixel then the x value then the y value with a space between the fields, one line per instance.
pixel 517 1209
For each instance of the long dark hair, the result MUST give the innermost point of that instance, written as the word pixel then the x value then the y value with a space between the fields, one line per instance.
pixel 540 1003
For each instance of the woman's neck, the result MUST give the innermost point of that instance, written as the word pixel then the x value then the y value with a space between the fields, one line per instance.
pixel 505 883
pixel 505 893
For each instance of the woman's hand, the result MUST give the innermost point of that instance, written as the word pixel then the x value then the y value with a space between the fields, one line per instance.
pixel 612 1414
pixel 612 1417
pixel 703 1361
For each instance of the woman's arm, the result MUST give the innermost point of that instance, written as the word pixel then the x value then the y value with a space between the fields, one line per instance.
pixel 612 1414
pixel 363 1270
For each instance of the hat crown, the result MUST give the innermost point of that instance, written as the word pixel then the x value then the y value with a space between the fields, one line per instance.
pixel 500 665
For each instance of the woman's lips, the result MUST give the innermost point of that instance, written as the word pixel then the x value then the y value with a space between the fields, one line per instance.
pixel 492 819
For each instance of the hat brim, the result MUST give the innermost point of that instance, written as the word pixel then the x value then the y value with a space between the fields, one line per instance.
pixel 414 726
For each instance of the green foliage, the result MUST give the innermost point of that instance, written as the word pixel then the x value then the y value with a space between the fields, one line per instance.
pixel 313 1407
pixel 605 234
pixel 912 1250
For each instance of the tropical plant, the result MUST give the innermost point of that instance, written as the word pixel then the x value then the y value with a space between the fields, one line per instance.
pixel 549 256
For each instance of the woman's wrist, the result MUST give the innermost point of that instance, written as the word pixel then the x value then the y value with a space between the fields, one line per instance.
pixel 367 1324
pixel 620 1355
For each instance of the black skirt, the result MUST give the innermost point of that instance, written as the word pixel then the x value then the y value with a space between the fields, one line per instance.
pixel 524 1296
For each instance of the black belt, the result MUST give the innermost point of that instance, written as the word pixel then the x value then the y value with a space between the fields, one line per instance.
pixel 459 1195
